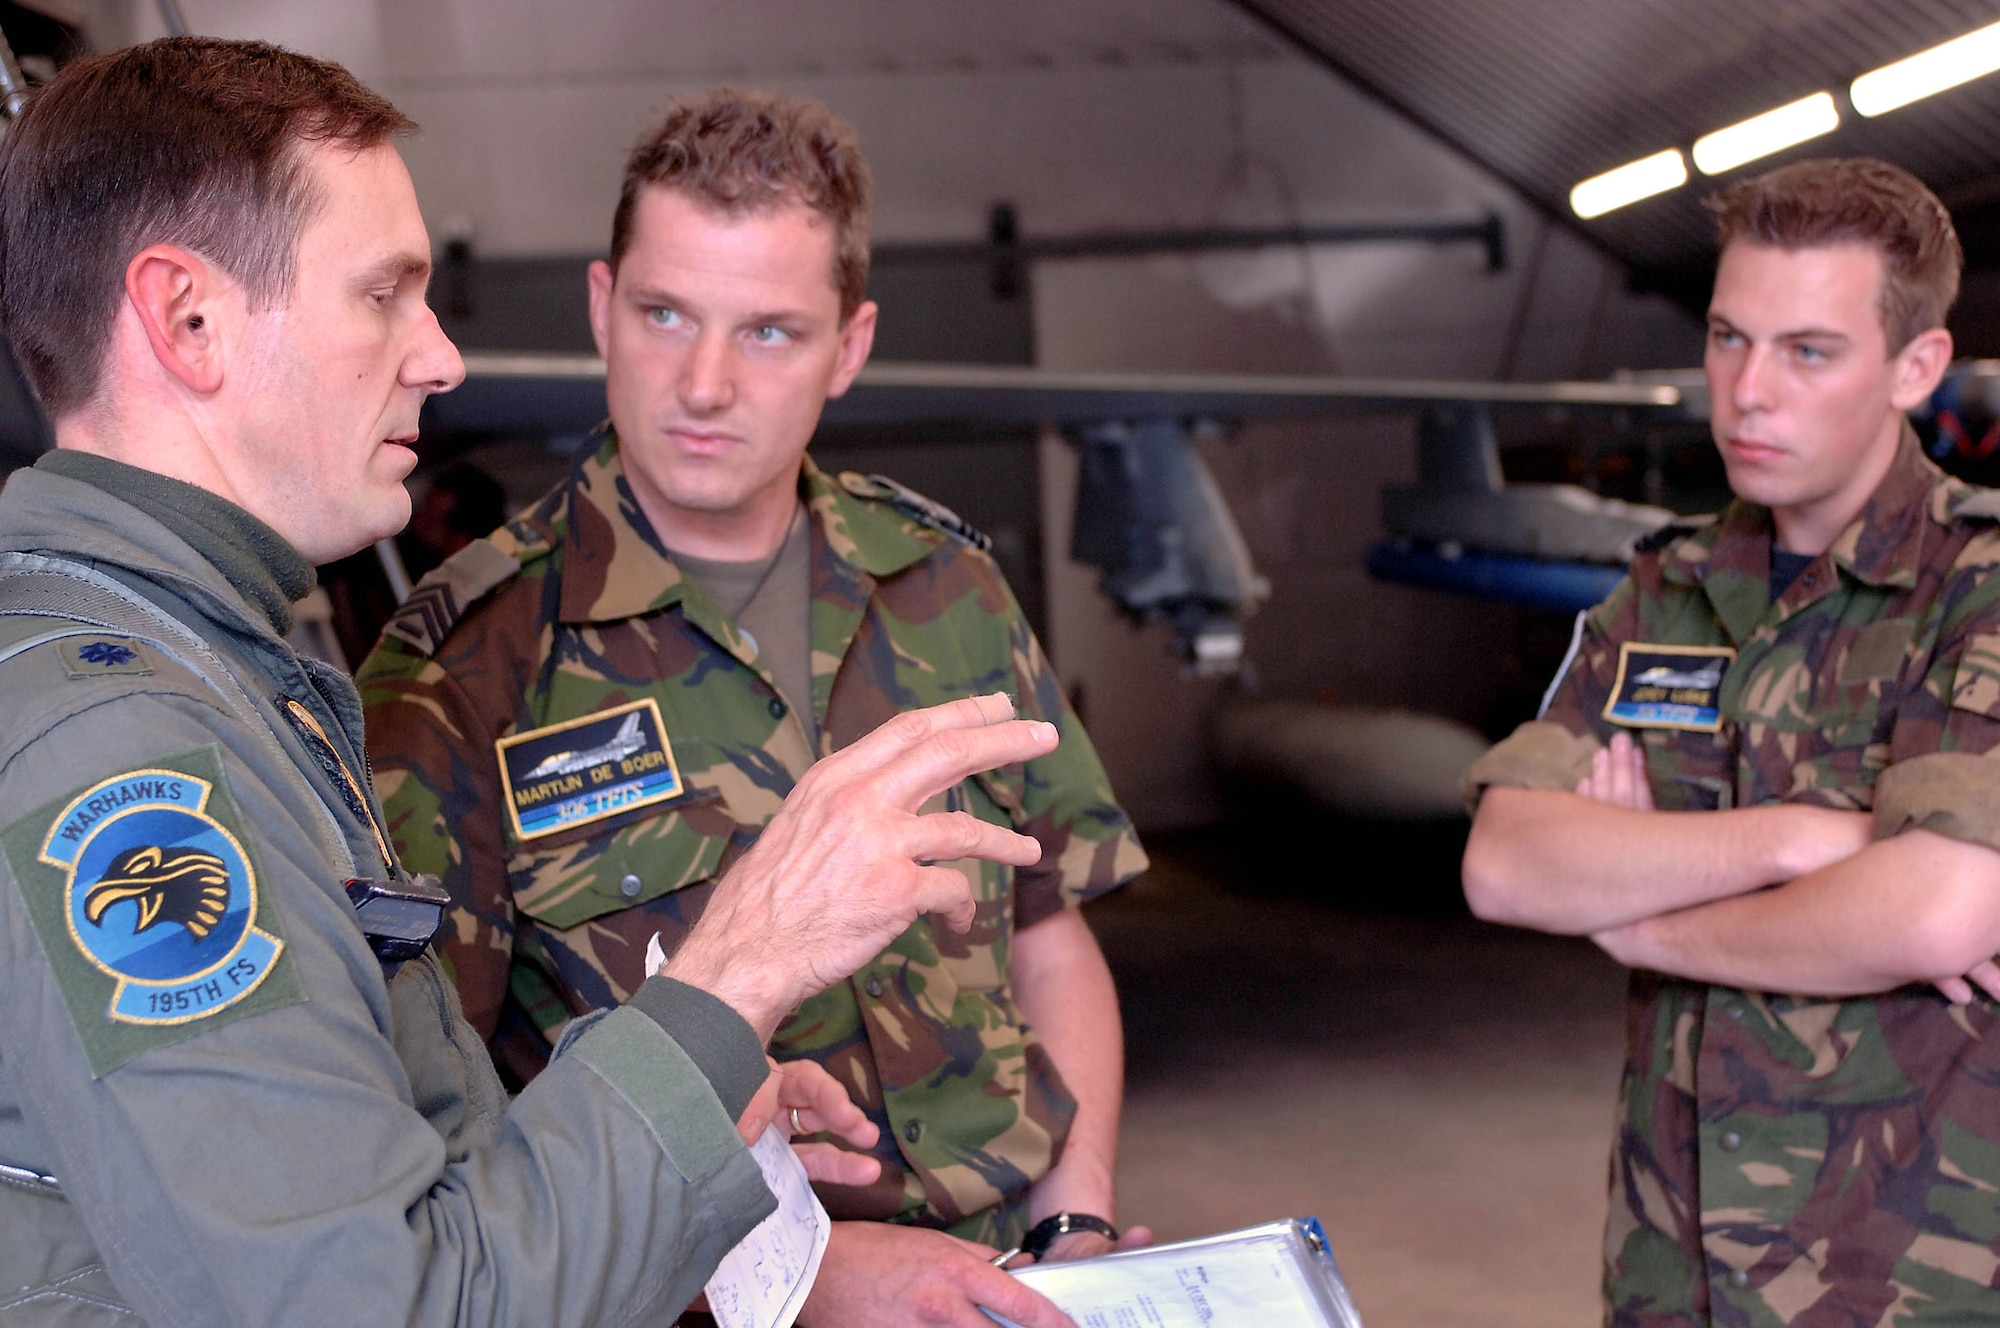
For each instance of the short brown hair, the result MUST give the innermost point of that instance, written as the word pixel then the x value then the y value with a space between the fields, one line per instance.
pixel 193 141
pixel 1855 200
pixel 743 152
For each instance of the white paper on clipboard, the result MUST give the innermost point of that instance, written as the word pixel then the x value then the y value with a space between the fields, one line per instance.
pixel 1279 1273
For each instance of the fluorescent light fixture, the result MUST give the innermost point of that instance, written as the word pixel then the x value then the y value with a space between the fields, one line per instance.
pixel 1629 183
pixel 1957 61
pixel 1761 135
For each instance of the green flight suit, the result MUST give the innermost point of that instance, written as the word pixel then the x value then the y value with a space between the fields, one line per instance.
pixel 214 1106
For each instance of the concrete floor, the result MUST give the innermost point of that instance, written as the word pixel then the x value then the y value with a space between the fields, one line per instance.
pixel 1347 1042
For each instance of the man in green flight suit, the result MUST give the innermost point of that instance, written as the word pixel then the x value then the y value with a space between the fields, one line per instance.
pixel 235 1082
pixel 580 721
pixel 1765 780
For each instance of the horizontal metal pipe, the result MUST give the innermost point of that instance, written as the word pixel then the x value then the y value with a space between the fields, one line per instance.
pixel 1112 244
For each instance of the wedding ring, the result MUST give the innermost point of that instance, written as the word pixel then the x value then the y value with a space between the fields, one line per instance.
pixel 798 1126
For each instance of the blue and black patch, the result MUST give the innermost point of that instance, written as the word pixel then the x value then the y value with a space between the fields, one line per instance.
pixel 1669 687
pixel 588 769
pixel 144 894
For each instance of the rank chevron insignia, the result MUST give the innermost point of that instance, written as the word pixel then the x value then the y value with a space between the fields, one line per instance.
pixel 436 603
pixel 425 616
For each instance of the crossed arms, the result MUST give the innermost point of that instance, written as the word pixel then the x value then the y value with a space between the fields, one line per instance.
pixel 1784 897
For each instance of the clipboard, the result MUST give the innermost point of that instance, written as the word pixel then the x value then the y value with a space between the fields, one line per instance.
pixel 1280 1272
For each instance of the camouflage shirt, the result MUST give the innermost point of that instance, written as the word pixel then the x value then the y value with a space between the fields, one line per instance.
pixel 568 731
pixel 1783 1159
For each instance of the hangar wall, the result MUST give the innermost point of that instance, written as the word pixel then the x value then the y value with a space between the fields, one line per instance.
pixel 1306 493
pixel 1194 115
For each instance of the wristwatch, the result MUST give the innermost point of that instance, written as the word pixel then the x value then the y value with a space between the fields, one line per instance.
pixel 1046 1232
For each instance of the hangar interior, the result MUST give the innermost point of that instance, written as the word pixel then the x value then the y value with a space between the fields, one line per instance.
pixel 1299 232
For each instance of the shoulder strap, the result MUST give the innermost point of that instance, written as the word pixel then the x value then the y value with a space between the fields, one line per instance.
pixel 45 592
pixel 1977 502
pixel 924 511
pixel 1673 530
pixel 22 632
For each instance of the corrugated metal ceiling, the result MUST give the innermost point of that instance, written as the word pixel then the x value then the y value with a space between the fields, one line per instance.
pixel 1548 92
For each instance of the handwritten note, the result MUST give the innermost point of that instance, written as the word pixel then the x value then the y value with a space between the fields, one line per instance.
pixel 762 1283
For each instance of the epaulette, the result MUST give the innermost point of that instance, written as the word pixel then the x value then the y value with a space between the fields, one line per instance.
pixel 437 602
pixel 1675 529
pixel 1977 501
pixel 925 511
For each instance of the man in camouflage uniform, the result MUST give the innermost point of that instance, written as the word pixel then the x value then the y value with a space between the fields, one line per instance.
pixel 1764 781
pixel 581 720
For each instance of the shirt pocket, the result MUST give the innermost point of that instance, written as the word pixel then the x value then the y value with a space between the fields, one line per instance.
pixel 976 961
pixel 1976 687
pixel 1689 770
pixel 565 879
pixel 1816 729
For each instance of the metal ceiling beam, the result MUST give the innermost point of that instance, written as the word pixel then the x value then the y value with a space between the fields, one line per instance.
pixel 1551 209
pixel 1005 245
pixel 561 394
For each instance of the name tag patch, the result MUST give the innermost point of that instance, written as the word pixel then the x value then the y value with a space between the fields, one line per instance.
pixel 585 770
pixel 1669 687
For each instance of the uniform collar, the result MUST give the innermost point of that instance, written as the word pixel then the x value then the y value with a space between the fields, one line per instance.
pixel 615 567
pixel 42 511
pixel 1883 546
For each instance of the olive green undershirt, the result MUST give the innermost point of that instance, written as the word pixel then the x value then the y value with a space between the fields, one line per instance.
pixel 256 560
pixel 774 614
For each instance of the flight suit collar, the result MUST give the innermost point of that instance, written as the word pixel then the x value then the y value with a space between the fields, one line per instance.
pixel 259 562
pixel 1883 546
pixel 47 511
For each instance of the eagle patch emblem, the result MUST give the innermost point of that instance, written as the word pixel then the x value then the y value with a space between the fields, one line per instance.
pixel 147 904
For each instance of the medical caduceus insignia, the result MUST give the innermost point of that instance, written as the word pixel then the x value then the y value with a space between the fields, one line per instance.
pixel 161 897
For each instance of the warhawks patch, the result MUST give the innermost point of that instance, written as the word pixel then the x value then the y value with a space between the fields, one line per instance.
pixel 148 908
pixel 587 769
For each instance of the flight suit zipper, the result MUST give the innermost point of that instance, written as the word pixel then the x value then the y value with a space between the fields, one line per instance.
pixel 330 760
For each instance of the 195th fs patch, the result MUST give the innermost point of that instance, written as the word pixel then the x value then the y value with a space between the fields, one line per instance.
pixel 147 904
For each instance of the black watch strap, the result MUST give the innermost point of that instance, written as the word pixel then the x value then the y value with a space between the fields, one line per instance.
pixel 1045 1232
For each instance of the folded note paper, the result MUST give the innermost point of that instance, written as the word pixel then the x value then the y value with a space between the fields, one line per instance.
pixel 763 1282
